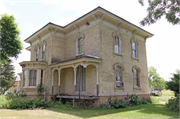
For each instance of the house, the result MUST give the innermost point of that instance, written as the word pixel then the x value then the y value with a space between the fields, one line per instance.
pixel 94 57
pixel 16 85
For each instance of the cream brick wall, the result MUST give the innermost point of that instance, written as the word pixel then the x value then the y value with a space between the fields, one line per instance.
pixel 107 86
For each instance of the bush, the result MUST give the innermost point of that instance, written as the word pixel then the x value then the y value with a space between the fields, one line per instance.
pixel 173 104
pixel 130 100
pixel 14 101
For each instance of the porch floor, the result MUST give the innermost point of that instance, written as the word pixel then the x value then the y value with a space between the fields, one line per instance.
pixel 77 97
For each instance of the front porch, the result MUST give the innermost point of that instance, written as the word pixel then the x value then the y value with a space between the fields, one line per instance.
pixel 76 79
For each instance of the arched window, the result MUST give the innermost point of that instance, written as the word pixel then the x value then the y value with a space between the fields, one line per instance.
pixel 32 77
pixel 117 46
pixel 79 46
pixel 119 81
pixel 134 49
pixel 37 53
pixel 43 51
pixel 136 76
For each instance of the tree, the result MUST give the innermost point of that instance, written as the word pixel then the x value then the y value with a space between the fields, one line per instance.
pixel 158 8
pixel 174 83
pixel 11 44
pixel 155 81
pixel 7 76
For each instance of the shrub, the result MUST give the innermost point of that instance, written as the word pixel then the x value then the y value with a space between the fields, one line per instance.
pixel 130 100
pixel 173 104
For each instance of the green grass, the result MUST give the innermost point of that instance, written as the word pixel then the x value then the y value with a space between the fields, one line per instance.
pixel 166 95
pixel 151 111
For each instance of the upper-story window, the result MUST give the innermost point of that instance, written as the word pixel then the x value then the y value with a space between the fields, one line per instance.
pixel 134 49
pixel 32 77
pixel 119 81
pixel 117 47
pixel 37 53
pixel 79 45
pixel 43 51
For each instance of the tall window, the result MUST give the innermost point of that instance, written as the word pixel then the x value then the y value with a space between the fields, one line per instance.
pixel 80 45
pixel 81 76
pixel 24 77
pixel 32 77
pixel 43 51
pixel 119 82
pixel 136 78
pixel 41 76
pixel 134 49
pixel 117 46
pixel 37 53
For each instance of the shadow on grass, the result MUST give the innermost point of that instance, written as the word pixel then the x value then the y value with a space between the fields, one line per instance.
pixel 147 110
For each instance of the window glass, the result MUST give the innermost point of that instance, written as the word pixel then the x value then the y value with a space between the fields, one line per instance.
pixel 37 52
pixel 32 77
pixel 43 50
pixel 80 43
pixel 135 77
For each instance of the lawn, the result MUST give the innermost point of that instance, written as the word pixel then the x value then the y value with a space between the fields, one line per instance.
pixel 150 111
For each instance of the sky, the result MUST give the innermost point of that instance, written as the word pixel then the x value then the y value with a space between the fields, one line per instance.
pixel 163 49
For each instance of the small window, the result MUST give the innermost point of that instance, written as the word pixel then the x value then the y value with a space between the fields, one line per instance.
pixel 134 49
pixel 119 82
pixel 80 45
pixel 37 53
pixel 117 46
pixel 43 51
pixel 136 78
pixel 32 77
pixel 24 77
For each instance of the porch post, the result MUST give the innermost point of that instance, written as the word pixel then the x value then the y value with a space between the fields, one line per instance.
pixel 74 79
pixel 52 81
pixel 97 83
pixel 59 72
pixel 27 78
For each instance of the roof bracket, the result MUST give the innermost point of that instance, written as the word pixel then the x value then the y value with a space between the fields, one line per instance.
pixel 133 33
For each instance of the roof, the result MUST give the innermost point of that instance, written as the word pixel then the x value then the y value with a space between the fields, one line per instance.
pixel 79 57
pixel 100 8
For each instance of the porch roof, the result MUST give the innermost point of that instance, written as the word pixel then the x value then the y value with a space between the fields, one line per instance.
pixel 79 59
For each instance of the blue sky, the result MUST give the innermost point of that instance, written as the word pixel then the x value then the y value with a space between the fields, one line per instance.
pixel 163 49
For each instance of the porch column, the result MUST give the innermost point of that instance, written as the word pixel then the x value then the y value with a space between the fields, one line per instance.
pixel 22 79
pixel 52 81
pixel 74 79
pixel 97 83
pixel 38 76
pixel 27 78
pixel 59 81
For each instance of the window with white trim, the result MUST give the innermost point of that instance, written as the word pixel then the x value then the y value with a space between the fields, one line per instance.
pixel 37 53
pixel 32 77
pixel 134 49
pixel 43 51
pixel 24 77
pixel 79 45
pixel 119 82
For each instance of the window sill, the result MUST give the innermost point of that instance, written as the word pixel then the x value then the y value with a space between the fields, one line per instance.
pixel 32 87
pixel 137 88
pixel 79 54
pixel 119 88
pixel 135 58
pixel 118 54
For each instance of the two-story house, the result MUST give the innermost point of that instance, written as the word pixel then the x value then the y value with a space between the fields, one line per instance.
pixel 94 57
